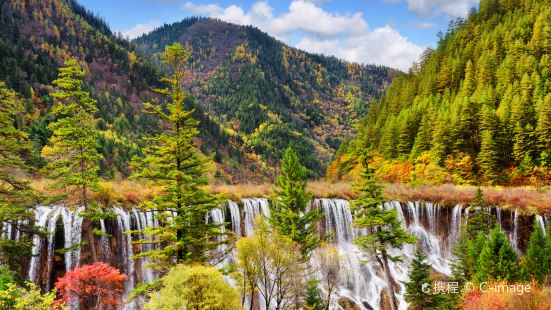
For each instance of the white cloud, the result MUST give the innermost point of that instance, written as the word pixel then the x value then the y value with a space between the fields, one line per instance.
pixel 454 8
pixel 345 36
pixel 384 46
pixel 140 29
pixel 301 15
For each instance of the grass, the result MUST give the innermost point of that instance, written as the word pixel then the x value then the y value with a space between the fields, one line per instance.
pixel 319 188
pixel 525 198
pixel 528 199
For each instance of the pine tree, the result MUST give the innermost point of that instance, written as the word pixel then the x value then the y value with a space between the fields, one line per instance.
pixel 543 128
pixel 384 228
pixel 497 260
pixel 537 262
pixel 72 156
pixel 419 279
pixel 173 163
pixel 16 195
pixel 313 296
pixel 289 208
pixel 465 256
pixel 488 157
pixel 468 86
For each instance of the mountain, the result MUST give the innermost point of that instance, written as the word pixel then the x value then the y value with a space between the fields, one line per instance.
pixel 475 109
pixel 270 94
pixel 253 95
pixel 37 36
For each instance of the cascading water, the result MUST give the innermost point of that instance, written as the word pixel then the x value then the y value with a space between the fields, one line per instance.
pixel 72 227
pixel 105 247
pixel 514 235
pixel 359 282
pixel 125 248
pixel 541 222
pixel 252 208
pixel 42 216
pixel 235 218
pixel 436 227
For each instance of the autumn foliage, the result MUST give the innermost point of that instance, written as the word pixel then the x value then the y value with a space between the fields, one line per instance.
pixel 537 298
pixel 95 286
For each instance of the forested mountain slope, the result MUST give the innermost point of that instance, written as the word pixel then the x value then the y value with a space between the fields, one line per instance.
pixel 253 95
pixel 36 38
pixel 272 95
pixel 476 109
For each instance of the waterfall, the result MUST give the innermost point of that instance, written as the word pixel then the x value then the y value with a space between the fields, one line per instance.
pixel 42 215
pixel 541 222
pixel 514 235
pixel 235 218
pixel 125 248
pixel 359 281
pixel 105 248
pixel 252 208
pixel 52 225
pixel 437 230
pixel 217 216
pixel 456 220
pixel 72 227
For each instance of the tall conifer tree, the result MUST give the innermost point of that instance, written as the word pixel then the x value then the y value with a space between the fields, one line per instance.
pixel 497 260
pixel 72 156
pixel 16 195
pixel 289 212
pixel 537 262
pixel 173 163
pixel 384 228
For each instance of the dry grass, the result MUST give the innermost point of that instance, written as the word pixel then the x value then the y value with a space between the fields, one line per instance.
pixel 319 188
pixel 110 193
pixel 525 198
pixel 238 191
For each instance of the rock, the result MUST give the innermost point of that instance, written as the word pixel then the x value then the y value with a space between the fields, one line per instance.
pixel 347 304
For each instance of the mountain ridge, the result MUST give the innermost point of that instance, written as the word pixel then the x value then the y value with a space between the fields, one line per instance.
pixel 251 82
pixel 253 95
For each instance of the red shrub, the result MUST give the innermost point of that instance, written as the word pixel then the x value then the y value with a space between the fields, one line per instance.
pixel 98 285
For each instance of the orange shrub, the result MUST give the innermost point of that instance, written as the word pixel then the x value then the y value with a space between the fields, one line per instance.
pixel 536 299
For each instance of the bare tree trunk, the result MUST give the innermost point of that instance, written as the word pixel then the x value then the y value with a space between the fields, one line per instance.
pixel 389 279
pixel 90 233
pixel 92 242
pixel 252 299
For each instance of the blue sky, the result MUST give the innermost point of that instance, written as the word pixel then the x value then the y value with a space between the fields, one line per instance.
pixel 385 32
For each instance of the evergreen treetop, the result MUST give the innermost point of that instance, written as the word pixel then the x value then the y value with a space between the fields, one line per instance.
pixel 290 214
pixel 173 162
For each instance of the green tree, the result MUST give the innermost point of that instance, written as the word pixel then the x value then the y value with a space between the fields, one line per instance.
pixel 418 288
pixel 173 163
pixel 6 277
pixel 489 154
pixel 313 296
pixel 537 262
pixel 72 154
pixel 489 157
pixel 543 128
pixel 497 260
pixel 194 287
pixel 465 256
pixel 479 217
pixel 16 195
pixel 384 228
pixel 289 214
